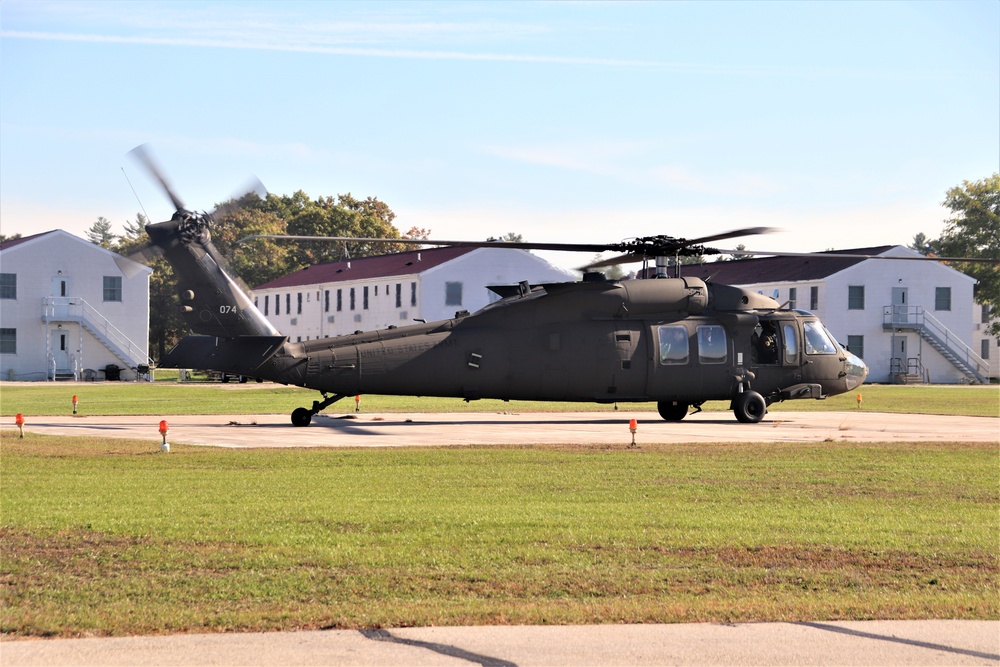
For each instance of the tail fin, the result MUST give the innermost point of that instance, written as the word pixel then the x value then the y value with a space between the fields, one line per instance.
pixel 213 304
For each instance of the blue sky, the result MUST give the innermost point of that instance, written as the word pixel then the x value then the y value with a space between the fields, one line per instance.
pixel 842 123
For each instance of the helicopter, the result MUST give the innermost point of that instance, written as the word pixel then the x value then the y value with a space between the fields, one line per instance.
pixel 677 341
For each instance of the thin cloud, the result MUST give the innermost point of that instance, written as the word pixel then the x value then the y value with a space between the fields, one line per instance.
pixel 255 44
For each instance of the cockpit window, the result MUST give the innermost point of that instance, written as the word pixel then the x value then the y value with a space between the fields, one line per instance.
pixel 712 347
pixel 791 344
pixel 673 345
pixel 818 341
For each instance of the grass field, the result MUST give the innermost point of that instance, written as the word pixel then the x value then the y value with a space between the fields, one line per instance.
pixel 107 538
pixel 104 538
pixel 118 398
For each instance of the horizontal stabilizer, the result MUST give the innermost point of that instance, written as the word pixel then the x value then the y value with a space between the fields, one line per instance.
pixel 242 355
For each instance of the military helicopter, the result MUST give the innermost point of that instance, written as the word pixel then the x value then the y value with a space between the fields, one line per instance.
pixel 674 340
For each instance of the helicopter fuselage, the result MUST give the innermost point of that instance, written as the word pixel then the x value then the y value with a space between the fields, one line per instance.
pixel 677 341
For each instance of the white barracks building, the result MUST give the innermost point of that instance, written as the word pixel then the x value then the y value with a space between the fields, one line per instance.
pixel 339 298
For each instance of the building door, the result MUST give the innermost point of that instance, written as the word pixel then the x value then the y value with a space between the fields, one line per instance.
pixel 899 361
pixel 60 285
pixel 900 305
pixel 60 348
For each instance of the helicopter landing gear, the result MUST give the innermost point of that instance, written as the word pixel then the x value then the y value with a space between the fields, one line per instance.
pixel 672 411
pixel 302 416
pixel 749 407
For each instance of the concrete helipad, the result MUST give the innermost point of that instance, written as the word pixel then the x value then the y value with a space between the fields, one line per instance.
pixel 607 428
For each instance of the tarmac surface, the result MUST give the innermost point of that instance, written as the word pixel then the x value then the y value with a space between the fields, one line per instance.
pixel 442 429
pixel 929 642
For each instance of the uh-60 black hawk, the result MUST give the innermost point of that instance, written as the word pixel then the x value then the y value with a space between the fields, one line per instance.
pixel 677 341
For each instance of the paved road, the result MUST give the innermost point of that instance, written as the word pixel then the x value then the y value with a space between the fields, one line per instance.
pixel 831 643
pixel 408 430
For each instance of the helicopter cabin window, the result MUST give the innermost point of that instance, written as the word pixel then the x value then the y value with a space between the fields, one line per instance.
pixel 791 343
pixel 453 294
pixel 764 343
pixel 673 345
pixel 712 347
pixel 817 339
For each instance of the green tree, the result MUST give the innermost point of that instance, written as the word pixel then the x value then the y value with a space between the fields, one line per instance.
pixel 923 245
pixel 973 230
pixel 100 234
pixel 509 237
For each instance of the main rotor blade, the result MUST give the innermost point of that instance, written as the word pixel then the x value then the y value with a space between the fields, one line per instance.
pixel 748 231
pixel 568 247
pixel 143 155
pixel 836 254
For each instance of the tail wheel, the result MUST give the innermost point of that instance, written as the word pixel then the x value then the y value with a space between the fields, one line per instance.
pixel 749 407
pixel 301 416
pixel 672 411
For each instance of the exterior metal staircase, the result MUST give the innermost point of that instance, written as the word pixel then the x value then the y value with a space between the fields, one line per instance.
pixel 950 346
pixel 76 309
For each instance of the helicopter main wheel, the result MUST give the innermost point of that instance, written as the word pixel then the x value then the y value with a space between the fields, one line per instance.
pixel 672 411
pixel 749 407
pixel 301 416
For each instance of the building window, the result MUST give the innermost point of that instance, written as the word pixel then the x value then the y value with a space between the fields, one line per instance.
pixel 985 316
pixel 8 341
pixel 399 295
pixel 453 294
pixel 364 298
pixel 942 298
pixel 814 298
pixel 856 346
pixel 277 304
pixel 413 294
pixel 856 297
pixel 8 285
pixel 793 297
pixel 288 304
pixel 267 299
pixel 112 288
pixel 299 304
pixel 352 298
pixel 340 300
pixel 326 301
pixel 984 349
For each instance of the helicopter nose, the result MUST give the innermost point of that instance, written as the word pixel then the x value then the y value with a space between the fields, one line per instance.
pixel 856 371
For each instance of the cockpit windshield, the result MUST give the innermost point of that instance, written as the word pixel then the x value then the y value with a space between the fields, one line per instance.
pixel 817 338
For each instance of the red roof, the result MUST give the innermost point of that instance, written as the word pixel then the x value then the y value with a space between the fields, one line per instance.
pixel 779 269
pixel 365 268
pixel 10 243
